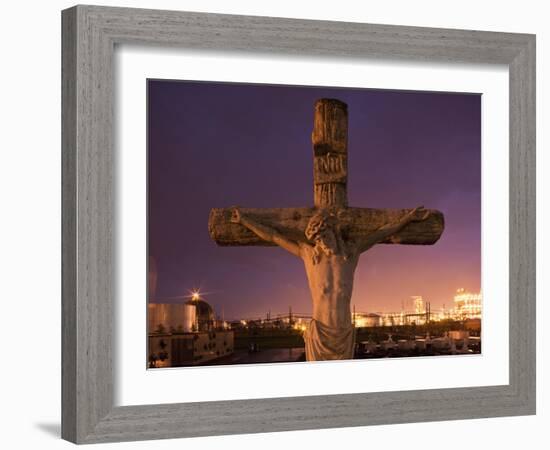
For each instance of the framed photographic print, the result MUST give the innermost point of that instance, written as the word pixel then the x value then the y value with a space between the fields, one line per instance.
pixel 236 308
pixel 289 215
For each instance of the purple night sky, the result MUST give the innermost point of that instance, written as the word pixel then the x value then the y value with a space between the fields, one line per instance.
pixel 219 145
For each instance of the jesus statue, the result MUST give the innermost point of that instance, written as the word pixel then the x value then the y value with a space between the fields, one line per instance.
pixel 330 258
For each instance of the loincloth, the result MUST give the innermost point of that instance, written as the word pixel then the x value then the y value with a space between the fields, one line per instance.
pixel 326 343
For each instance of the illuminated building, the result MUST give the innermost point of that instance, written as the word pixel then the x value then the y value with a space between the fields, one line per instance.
pixel 393 319
pixel 467 305
pixel 418 303
pixel 300 324
pixel 367 320
pixel 185 334
pixel 187 349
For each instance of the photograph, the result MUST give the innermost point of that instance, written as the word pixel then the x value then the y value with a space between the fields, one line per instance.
pixel 301 224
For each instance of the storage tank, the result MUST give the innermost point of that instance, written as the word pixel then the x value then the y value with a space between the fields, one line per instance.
pixel 172 317
pixel 189 317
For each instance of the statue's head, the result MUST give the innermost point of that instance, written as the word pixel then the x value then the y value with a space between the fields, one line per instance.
pixel 322 230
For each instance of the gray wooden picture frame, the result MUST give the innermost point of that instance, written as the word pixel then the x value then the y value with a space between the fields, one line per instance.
pixel 90 34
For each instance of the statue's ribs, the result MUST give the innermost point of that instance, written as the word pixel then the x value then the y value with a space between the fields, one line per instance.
pixel 355 223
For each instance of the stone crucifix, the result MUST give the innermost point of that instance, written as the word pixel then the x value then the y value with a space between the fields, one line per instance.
pixel 329 237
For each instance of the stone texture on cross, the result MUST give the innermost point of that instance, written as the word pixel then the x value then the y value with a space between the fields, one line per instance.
pixel 356 230
pixel 329 137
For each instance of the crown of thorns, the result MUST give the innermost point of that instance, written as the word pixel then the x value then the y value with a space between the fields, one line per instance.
pixel 318 223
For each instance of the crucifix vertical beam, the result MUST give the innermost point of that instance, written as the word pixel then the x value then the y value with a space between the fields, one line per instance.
pixel 330 154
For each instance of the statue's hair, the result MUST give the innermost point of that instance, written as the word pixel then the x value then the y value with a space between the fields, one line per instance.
pixel 318 223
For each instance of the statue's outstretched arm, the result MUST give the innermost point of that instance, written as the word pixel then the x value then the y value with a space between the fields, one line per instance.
pixel 389 229
pixel 265 232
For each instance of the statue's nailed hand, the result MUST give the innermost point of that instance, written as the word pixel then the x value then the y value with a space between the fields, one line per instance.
pixel 235 216
pixel 418 214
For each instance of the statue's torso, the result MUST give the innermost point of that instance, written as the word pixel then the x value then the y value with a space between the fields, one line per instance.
pixel 331 284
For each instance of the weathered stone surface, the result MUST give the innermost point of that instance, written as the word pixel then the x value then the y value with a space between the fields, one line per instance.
pixel 330 153
pixel 330 127
pixel 356 223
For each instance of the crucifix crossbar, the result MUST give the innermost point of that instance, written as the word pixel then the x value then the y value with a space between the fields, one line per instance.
pixel 330 174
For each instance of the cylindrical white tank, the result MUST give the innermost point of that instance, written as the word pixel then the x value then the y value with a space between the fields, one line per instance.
pixel 157 314
pixel 189 317
pixel 172 317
